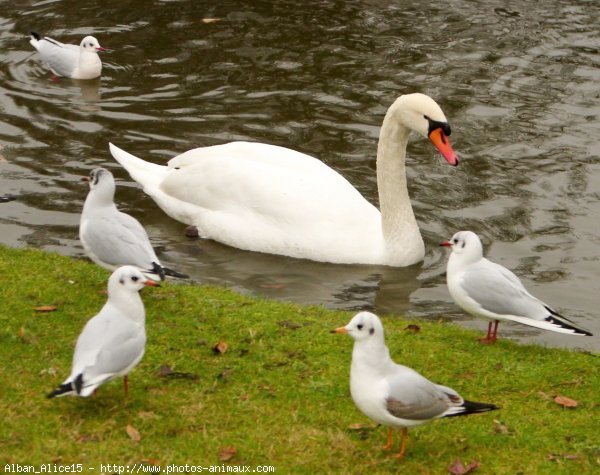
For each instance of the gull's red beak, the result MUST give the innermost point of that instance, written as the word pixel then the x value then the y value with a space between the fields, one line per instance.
pixel 85 178
pixel 151 283
pixel 442 143
pixel 100 49
pixel 446 244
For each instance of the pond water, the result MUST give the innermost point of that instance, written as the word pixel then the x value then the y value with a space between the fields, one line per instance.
pixel 519 84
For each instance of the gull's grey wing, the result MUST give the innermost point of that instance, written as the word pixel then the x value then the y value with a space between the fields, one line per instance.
pixel 119 239
pixel 498 290
pixel 414 397
pixel 107 345
pixel 61 58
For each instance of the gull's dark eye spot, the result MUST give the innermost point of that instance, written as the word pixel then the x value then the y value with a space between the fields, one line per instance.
pixel 463 244
pixel 455 241
pixel 121 281
pixel 359 326
pixel 135 278
pixel 371 331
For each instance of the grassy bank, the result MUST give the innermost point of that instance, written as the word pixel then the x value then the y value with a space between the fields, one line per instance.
pixel 279 395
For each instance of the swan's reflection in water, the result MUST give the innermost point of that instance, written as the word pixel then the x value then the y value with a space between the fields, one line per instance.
pixel 296 280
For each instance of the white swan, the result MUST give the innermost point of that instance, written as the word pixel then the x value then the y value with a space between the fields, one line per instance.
pixel 272 199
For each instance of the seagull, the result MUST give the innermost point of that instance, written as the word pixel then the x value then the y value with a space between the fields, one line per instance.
pixel 72 61
pixel 488 290
pixel 111 238
pixel 111 343
pixel 392 394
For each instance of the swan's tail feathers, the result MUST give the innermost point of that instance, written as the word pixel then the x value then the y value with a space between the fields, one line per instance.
pixel 562 322
pixel 470 407
pixel 147 174
pixel 173 273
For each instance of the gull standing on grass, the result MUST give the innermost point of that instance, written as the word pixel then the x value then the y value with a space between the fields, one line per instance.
pixel 111 343
pixel 488 290
pixel 392 394
pixel 112 238
pixel 71 61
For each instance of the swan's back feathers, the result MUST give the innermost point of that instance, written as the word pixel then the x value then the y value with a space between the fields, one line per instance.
pixel 266 198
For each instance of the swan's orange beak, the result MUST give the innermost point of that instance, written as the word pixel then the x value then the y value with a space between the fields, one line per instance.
pixel 442 143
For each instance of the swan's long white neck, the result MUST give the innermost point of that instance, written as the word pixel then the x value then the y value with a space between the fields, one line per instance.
pixel 401 233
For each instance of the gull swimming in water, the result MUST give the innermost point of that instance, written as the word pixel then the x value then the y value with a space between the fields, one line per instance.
pixel 71 61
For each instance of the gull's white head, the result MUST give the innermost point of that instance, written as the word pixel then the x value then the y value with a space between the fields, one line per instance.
pixel 128 279
pixel 363 326
pixel 422 114
pixel 91 45
pixel 102 183
pixel 465 244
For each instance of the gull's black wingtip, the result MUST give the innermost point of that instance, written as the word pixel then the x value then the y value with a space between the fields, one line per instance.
pixel 62 389
pixel 35 35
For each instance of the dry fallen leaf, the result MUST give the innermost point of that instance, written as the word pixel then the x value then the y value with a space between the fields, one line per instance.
pixel 226 453
pixel 289 324
pixel 565 401
pixel 46 308
pixel 220 347
pixel 457 468
pixel 413 328
pixel 210 20
pixel 272 286
pixel 165 371
pixel 133 433
pixel 562 456
pixel 151 461
pixel 500 428
pixel 361 426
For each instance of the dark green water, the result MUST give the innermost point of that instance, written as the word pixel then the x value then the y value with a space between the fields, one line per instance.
pixel 519 84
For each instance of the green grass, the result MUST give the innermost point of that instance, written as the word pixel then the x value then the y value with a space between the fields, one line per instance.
pixel 280 393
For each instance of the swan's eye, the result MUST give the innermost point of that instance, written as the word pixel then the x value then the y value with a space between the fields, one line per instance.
pixel 359 326
pixel 135 278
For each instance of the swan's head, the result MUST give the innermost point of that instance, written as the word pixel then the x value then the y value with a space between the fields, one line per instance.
pixel 422 114
pixel 128 279
pixel 465 244
pixel 363 326
pixel 90 44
